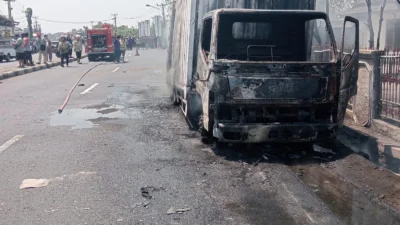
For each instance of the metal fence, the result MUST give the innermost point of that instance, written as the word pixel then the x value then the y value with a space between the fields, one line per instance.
pixel 390 86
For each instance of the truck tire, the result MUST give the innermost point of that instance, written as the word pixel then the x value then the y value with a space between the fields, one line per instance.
pixel 175 97
pixel 206 136
pixel 8 57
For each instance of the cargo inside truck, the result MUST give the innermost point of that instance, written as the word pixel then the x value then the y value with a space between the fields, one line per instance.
pixel 99 42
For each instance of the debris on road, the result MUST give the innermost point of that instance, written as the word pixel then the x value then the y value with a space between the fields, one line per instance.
pixel 81 85
pixel 145 204
pixel 173 210
pixel 111 85
pixel 34 183
pixel 381 196
pixel 147 191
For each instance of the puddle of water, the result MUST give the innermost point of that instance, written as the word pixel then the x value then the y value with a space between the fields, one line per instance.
pixel 87 117
pixel 346 201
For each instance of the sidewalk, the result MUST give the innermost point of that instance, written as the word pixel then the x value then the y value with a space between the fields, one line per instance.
pixel 9 69
pixel 376 145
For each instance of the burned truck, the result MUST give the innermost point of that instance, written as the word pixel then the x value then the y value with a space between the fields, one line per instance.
pixel 259 75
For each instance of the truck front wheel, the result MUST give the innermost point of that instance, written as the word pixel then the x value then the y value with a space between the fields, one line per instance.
pixel 175 97
pixel 206 136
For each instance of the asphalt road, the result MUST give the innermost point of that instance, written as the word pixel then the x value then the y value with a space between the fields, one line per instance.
pixel 120 153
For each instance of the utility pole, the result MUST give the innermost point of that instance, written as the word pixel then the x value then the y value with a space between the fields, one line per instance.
pixel 115 22
pixel 92 23
pixel 36 24
pixel 10 15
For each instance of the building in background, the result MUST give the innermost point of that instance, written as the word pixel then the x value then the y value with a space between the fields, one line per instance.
pixel 5 27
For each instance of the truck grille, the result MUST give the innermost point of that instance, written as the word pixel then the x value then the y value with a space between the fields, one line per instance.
pixel 275 114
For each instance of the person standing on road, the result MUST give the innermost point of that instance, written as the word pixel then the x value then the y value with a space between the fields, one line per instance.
pixel 27 49
pixel 78 47
pixel 49 48
pixel 122 42
pixel 19 49
pixel 69 40
pixel 117 49
pixel 42 49
pixel 64 48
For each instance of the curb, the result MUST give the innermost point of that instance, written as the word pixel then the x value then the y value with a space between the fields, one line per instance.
pixel 32 69
pixel 377 149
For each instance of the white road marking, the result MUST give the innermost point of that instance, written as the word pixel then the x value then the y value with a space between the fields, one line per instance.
pixel 10 142
pixel 305 212
pixel 115 70
pixel 89 89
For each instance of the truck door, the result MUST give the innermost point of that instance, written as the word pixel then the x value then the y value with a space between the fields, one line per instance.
pixel 89 44
pixel 349 55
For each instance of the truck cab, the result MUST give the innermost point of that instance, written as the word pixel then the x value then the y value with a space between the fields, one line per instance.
pixel 7 51
pixel 273 75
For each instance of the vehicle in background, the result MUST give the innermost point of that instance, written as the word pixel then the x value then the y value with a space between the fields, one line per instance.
pixel 99 45
pixel 7 51
pixel 251 76
pixel 54 47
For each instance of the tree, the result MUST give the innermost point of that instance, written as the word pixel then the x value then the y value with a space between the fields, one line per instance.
pixel 378 40
pixel 337 6
pixel 98 25
pixel 28 14
pixel 369 25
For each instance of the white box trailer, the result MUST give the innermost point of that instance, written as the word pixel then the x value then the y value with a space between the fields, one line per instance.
pixel 260 70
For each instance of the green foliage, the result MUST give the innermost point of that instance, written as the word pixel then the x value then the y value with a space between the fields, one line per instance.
pixel 29 12
pixel 121 30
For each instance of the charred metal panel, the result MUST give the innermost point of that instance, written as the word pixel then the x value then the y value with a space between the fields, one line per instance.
pixel 303 88
pixel 275 133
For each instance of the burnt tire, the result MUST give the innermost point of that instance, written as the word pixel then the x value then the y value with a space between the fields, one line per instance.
pixel 206 136
pixel 175 98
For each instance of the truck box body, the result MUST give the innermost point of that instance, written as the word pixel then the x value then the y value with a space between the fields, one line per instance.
pixel 260 71
pixel 187 20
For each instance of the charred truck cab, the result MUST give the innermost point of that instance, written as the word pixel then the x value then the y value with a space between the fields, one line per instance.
pixel 270 76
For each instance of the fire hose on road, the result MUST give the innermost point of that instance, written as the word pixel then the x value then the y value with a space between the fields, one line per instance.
pixel 60 110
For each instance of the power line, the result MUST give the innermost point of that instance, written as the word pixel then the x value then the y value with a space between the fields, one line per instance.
pixel 70 22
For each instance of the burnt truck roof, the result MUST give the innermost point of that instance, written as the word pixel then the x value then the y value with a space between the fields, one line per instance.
pixel 310 13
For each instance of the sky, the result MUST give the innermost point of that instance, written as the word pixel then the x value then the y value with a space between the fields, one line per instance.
pixel 81 11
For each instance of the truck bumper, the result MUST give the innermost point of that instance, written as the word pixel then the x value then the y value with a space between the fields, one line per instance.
pixel 274 133
pixel 100 54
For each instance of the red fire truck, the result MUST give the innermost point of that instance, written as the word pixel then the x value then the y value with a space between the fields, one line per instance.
pixel 100 43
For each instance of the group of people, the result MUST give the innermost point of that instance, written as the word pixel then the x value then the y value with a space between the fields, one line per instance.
pixel 120 46
pixel 131 43
pixel 148 42
pixel 23 49
pixel 67 45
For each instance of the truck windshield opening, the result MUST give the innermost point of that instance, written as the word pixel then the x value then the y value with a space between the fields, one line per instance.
pixel 274 37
